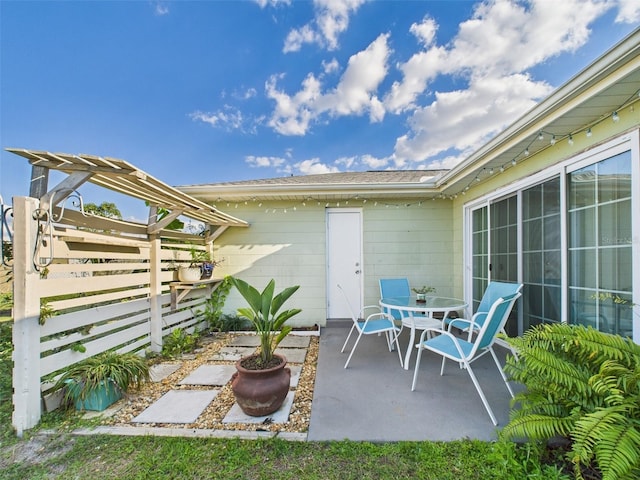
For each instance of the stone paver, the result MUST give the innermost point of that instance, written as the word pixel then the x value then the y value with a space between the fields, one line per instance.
pixel 233 354
pixel 295 341
pixel 296 370
pixel 236 415
pixel 294 355
pixel 245 341
pixel 162 370
pixel 218 375
pixel 191 404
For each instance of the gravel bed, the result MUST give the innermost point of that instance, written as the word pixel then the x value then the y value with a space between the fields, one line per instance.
pixel 212 416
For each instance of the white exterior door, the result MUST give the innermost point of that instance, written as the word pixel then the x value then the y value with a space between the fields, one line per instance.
pixel 344 260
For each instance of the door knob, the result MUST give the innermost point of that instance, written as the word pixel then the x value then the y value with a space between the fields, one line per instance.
pixel 357 272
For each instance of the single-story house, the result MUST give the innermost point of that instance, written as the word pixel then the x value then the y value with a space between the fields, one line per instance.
pixel 553 202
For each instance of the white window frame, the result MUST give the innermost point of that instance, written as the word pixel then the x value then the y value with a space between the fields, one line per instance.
pixel 629 141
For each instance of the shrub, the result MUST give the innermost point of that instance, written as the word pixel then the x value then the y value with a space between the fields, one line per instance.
pixel 179 342
pixel 584 385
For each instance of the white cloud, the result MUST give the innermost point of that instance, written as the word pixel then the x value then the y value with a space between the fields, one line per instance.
pixel 425 31
pixel 374 163
pixel 354 94
pixel 254 161
pixel 314 166
pixel 230 118
pixel 160 8
pixel 465 119
pixel 273 3
pixel 491 53
pixel 628 11
pixel 330 66
pixel 331 19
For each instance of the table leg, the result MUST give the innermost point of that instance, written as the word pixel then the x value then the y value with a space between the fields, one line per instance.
pixel 412 338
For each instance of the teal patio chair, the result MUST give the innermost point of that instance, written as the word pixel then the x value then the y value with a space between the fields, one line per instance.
pixel 493 291
pixel 377 322
pixel 465 352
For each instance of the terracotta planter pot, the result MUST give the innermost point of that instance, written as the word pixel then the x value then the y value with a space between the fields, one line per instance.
pixel 261 392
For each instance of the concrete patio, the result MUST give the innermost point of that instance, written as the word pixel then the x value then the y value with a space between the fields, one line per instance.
pixel 372 399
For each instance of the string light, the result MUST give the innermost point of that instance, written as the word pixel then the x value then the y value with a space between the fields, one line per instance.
pixel 615 117
pixel 569 136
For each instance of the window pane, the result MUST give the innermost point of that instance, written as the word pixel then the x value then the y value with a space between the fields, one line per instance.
pixel 614 178
pixel 582 268
pixel 615 223
pixel 552 232
pixel 582 228
pixel 582 187
pixel 615 270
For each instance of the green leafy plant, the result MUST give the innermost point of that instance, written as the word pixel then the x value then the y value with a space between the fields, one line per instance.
pixel 179 342
pixel 583 385
pixel 124 370
pixel 263 314
pixel 424 290
pixel 46 312
pixel 214 304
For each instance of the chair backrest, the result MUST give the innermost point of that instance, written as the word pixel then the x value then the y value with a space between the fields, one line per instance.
pixel 496 290
pixel 354 316
pixel 494 322
pixel 394 287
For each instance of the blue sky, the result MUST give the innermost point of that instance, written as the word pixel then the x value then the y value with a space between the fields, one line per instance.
pixel 211 91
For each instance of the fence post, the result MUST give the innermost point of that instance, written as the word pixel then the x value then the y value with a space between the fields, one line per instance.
pixel 155 288
pixel 27 406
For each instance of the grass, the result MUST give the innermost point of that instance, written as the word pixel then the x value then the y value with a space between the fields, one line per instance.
pixel 51 451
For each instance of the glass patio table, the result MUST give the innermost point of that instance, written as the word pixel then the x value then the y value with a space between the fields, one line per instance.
pixel 410 306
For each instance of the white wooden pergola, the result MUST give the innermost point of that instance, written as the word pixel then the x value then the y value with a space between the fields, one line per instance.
pixel 45 203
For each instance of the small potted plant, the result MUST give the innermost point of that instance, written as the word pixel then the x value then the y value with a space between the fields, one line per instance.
pixel 262 380
pixel 200 268
pixel 421 293
pixel 98 381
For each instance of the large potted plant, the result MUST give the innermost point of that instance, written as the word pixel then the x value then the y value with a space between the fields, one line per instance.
pixel 98 381
pixel 262 380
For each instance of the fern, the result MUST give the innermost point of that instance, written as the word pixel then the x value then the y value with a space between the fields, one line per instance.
pixel 584 385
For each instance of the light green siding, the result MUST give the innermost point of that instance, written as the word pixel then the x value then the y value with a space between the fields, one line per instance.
pixel 400 239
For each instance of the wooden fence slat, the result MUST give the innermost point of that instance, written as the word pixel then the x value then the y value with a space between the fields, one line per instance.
pixel 66 357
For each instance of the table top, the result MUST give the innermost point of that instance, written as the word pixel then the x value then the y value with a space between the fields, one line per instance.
pixel 431 304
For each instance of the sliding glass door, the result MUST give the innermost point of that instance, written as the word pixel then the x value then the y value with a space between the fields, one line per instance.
pixel 568 238
pixel 600 245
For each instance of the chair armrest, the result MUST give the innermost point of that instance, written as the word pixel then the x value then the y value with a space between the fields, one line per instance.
pixel 369 307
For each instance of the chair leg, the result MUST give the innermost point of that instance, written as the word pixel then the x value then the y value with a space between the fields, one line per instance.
pixel 444 359
pixel 504 377
pixel 395 339
pixel 348 337
pixel 417 367
pixel 481 393
pixel 353 350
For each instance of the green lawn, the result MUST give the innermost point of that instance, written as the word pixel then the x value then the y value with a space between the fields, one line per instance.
pixel 50 451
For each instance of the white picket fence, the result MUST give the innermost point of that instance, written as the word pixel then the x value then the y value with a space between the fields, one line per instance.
pixel 107 289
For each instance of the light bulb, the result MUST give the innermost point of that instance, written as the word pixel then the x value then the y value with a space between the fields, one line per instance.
pixel 540 136
pixel 553 140
pixel 615 117
pixel 513 162
pixel 589 132
pixel 526 152
pixel 570 140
